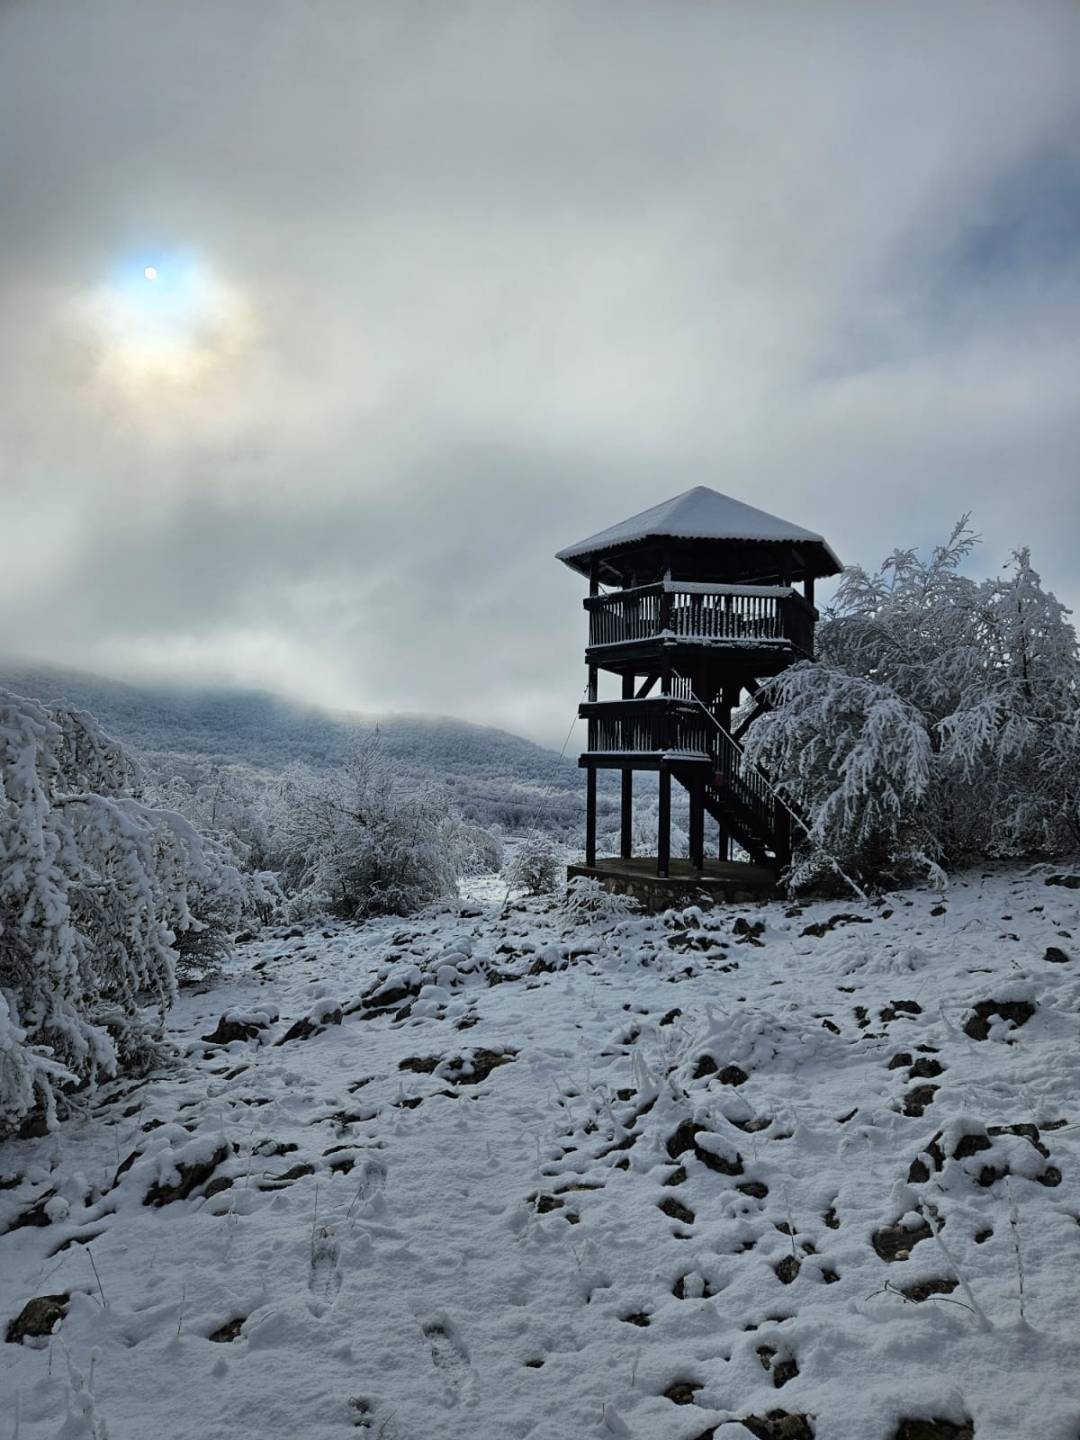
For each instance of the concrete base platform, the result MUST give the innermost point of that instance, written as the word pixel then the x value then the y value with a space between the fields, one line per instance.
pixel 721 881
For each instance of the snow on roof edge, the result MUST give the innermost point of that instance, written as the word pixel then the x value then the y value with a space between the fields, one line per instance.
pixel 697 514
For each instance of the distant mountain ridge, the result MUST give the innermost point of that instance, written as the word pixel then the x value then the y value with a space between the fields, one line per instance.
pixel 495 775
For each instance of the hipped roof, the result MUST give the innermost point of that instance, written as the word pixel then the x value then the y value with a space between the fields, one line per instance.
pixel 702 514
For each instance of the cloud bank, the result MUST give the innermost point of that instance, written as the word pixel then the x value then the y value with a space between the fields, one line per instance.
pixel 471 282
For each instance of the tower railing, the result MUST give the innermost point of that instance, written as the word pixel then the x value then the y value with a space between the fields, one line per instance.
pixel 751 616
pixel 666 728
pixel 654 726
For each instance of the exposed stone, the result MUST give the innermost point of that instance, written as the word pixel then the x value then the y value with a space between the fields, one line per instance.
pixel 420 1065
pixel 916 1101
pixel 788 1268
pixel 779 1425
pixel 936 1429
pixel 754 1189
pixel 296 1172
pixel 925 1068
pixel 190 1178
pixel 229 1030
pixel 682 1392
pixel 895 1242
pixel 35 1215
pixel 471 1070
pixel 38 1317
pixel 969 1145
pixel 228 1332
pixel 304 1029
pixel 681 1139
pixel 926 1288
pixel 676 1211
pixel 1018 1012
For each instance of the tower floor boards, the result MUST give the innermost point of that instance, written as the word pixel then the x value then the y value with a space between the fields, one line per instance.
pixel 721 881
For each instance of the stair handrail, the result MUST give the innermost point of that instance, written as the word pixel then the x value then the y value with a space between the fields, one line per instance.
pixel 815 844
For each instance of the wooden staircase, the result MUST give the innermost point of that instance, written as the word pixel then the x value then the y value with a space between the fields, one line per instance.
pixel 740 799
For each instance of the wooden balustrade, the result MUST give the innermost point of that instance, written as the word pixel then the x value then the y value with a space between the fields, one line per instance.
pixel 743 615
pixel 641 727
pixel 665 727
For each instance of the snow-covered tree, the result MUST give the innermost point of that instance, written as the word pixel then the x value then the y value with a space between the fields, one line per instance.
pixel 96 888
pixel 356 842
pixel 226 801
pixel 536 864
pixel 941 722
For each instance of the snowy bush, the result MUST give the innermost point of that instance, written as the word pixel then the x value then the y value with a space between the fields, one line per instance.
pixel 942 721
pixel 228 802
pixel 354 842
pixel 589 900
pixel 96 887
pixel 535 865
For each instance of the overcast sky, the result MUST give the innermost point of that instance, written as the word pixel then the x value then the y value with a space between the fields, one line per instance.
pixel 444 287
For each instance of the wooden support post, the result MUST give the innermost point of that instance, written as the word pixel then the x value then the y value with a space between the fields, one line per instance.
pixel 627 817
pixel 590 815
pixel 697 824
pixel 663 829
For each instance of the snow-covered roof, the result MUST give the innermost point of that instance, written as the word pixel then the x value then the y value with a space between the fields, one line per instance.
pixel 697 514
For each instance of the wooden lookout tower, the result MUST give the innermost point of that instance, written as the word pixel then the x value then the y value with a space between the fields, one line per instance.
pixel 692 604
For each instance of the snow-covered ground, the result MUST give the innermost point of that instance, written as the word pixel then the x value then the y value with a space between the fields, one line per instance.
pixel 525 1175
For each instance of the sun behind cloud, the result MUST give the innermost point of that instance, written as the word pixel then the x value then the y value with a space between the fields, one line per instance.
pixel 165 328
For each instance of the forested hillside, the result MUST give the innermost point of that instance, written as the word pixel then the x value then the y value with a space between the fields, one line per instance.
pixel 494 777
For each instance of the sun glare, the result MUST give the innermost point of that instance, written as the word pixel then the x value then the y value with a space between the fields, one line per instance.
pixel 174 331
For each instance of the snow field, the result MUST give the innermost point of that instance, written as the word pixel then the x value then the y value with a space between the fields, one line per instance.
pixel 520 1174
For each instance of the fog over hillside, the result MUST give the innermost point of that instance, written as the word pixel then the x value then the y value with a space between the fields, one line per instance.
pixel 496 777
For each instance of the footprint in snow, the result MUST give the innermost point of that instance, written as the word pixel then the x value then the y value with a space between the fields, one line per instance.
pixel 372 1179
pixel 451 1359
pixel 324 1278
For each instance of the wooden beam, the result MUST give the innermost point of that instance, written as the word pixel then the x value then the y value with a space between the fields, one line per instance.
pixel 646 685
pixel 697 824
pixel 626 828
pixel 627 836
pixel 723 841
pixel 663 828
pixel 590 816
